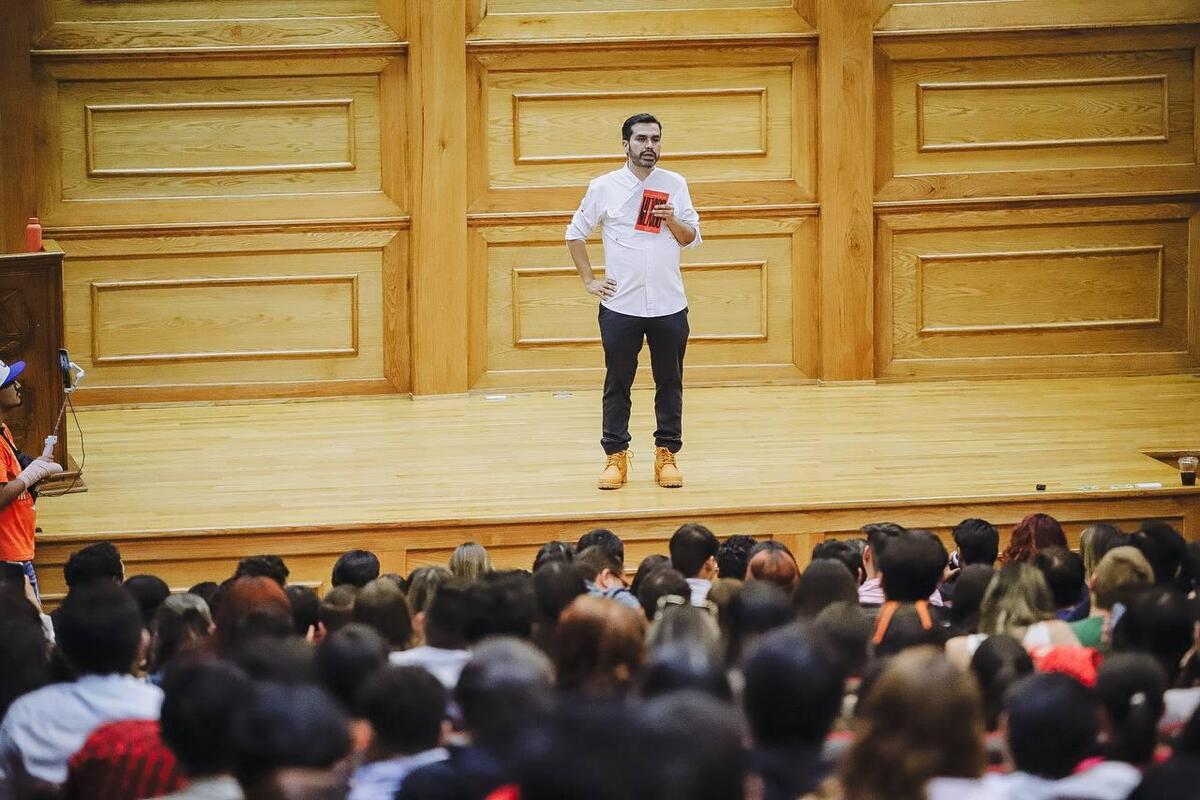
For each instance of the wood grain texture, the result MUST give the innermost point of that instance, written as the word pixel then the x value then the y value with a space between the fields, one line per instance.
pixel 1017 292
pixel 423 476
pixel 18 178
pixel 975 15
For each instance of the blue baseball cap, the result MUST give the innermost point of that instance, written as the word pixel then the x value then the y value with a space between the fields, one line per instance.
pixel 10 372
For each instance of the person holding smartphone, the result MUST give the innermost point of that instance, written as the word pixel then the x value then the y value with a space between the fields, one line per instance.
pixel 647 217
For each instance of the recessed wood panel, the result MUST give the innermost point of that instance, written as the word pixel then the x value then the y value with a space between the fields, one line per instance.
pixel 981 117
pixel 221 310
pixel 933 15
pixel 195 319
pixel 749 292
pixel 738 123
pixel 140 24
pixel 1028 292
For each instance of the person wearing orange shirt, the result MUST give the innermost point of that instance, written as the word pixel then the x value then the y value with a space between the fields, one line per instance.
pixel 18 473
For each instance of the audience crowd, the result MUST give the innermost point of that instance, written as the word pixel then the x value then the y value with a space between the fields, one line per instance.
pixel 886 669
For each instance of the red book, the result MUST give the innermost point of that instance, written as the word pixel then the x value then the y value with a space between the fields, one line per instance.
pixel 646 221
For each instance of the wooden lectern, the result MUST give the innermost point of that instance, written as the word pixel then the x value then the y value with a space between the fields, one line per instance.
pixel 31 330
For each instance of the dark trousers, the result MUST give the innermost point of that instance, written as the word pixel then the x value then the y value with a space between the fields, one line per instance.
pixel 622 337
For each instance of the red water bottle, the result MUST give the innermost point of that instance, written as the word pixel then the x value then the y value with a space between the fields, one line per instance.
pixel 33 236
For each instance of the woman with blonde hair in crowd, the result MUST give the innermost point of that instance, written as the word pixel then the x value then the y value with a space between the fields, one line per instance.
pixel 922 719
pixel 1017 603
pixel 470 561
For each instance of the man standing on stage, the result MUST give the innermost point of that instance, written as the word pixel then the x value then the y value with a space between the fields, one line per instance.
pixel 18 474
pixel 647 216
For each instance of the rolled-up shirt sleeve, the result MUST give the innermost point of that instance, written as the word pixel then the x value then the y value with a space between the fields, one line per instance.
pixel 588 215
pixel 687 214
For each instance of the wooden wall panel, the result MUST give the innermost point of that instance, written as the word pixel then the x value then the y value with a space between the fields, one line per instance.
pixel 738 124
pixel 939 15
pixel 549 20
pixel 295 311
pixel 157 24
pixel 749 289
pixel 207 141
pixel 1038 291
pixel 980 117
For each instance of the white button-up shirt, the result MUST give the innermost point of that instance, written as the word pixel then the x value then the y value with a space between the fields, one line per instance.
pixel 644 265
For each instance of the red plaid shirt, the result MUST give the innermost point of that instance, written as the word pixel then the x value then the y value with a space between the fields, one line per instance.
pixel 123 761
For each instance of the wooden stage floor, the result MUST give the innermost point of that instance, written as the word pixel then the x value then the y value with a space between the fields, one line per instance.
pixel 189 489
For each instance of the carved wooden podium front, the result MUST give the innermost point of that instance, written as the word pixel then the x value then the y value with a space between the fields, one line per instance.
pixel 31 330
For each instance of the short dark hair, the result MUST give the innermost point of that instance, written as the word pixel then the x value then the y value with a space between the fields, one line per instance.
pixel 879 534
pixel 591 561
pixel 1052 724
pixel 556 585
pixel 449 615
pixel 1166 550
pixel 99 560
pixel 383 605
pixel 692 545
pixel 713 766
pixel 660 583
pixel 998 663
pixel 825 581
pixel 287 725
pixel 263 567
pixel 200 699
pixel 355 567
pixel 1063 571
pixel 205 590
pixel 734 554
pixel 553 551
pixel 405 706
pixel 1157 620
pixel 603 538
pixel 793 690
pixel 149 591
pixel 683 665
pixel 99 628
pixel 838 550
pixel 638 119
pixel 337 607
pixel 912 565
pixel 305 608
pixel 507 687
pixel 346 658
pixel 1131 688
pixel 978 542
pixel 502 604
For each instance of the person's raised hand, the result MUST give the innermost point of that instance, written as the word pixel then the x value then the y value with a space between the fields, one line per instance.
pixel 603 289
pixel 38 470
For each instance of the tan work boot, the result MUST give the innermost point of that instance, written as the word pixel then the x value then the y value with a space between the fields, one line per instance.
pixel 616 471
pixel 666 471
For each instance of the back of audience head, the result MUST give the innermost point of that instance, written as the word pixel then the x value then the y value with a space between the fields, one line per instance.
pixel 772 562
pixel 382 605
pixel 921 719
pixel 969 589
pixel 911 566
pixel 263 567
pixel 553 551
pixel 1095 541
pixel 714 766
pixel 200 699
pixel 1131 687
pixel 878 536
pixel 793 689
pixel 24 648
pixel 423 584
pixel 182 623
pixel 1052 724
pixel 449 616
pixel 99 629
pixel 599 566
pixel 305 609
pixel 649 564
pixel 978 542
pixel 1167 552
pixel 998 663
pixel 694 551
pixel 556 585
pixel 1017 597
pixel 206 591
pixel 355 568
pixel 601 645
pixel 684 666
pixel 1031 534
pixel 284 728
pixel 406 707
pixel 277 659
pixel 605 539
pixel 682 622
pixel 658 584
pixel 149 591
pixel 845 552
pixel 733 556
pixel 758 608
pixel 1064 574
pixel 337 607
pixel 506 688
pixel 903 627
pixel 250 607
pixel 824 582
pixel 502 604
pixel 470 561
pixel 101 560
pixel 1121 572
pixel 847 631
pixel 346 658
pixel 1159 621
